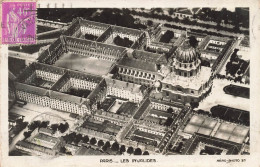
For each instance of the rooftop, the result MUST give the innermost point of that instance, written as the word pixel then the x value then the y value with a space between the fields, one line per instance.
pixel 89 151
pixel 200 124
pixel 191 145
pixel 194 82
pixel 149 57
pixel 135 88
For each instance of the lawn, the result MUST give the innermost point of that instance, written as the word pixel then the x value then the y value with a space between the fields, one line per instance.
pixel 84 64
pixel 237 91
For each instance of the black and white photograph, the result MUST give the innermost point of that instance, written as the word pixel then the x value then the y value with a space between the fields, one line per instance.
pixel 129 82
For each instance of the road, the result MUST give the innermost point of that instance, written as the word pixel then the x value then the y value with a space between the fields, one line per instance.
pixel 199 21
pixel 187 26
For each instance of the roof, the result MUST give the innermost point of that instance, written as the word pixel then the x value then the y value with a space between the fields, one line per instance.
pixel 149 57
pixel 94 96
pixel 94 44
pixel 35 147
pixel 146 66
pixel 195 10
pixel 186 53
pixel 39 66
pixel 31 89
pixel 13 116
pixel 222 39
pixel 125 30
pixel 245 42
pixel 127 108
pixel 142 108
pixel 172 104
pixel 46 131
pixel 66 97
pixel 191 145
pixel 184 11
pixel 160 113
pixel 134 88
pixel 77 75
pixel 89 151
pixel 89 23
pixel 47 138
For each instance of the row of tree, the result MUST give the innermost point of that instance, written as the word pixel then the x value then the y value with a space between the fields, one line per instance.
pixel 197 30
pixel 105 146
pixel 125 42
pixel 236 66
pixel 62 127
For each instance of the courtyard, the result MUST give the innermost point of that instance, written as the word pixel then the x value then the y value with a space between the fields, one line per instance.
pixel 84 64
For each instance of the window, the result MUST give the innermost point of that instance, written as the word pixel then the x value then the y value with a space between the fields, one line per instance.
pixel 167 93
pixel 192 92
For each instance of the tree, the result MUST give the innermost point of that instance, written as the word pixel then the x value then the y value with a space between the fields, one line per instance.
pixel 85 139
pixel 115 146
pixel 93 141
pixel 63 127
pixel 122 149
pixel 27 134
pixel 77 138
pixel 54 127
pixel 146 153
pixel 194 104
pixel 44 124
pixel 168 122
pixel 170 110
pixel 130 150
pixel 100 143
pixel 63 149
pixel 193 41
pixel 176 19
pixel 138 151
pixel 171 11
pixel 107 144
pixel 149 22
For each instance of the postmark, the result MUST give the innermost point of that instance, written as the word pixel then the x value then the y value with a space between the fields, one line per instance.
pixel 18 23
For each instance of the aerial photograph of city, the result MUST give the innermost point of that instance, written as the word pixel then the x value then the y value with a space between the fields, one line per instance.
pixel 131 81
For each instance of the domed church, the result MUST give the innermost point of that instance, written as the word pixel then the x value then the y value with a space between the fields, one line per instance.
pixel 188 81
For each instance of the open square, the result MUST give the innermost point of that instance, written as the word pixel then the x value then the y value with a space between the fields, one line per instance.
pixel 84 64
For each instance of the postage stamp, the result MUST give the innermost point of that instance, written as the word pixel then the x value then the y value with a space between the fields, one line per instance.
pixel 18 23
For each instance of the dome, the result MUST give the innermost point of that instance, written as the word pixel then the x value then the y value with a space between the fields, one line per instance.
pixel 186 53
